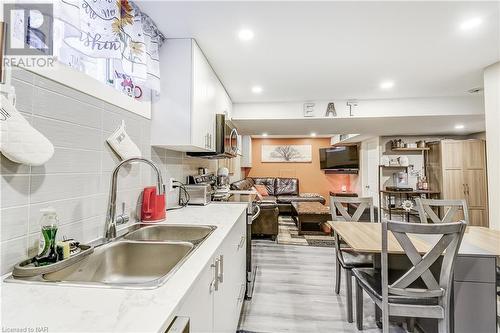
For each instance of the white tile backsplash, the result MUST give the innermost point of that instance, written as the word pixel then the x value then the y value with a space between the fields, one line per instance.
pixel 14 222
pixel 15 190
pixel 55 106
pixel 67 160
pixel 64 134
pixel 76 180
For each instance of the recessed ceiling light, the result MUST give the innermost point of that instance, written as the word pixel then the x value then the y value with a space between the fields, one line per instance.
pixel 245 34
pixel 257 89
pixel 313 134
pixel 264 134
pixel 459 126
pixel 386 84
pixel 471 24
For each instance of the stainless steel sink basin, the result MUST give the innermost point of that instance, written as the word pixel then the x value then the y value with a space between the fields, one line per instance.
pixel 126 264
pixel 170 232
pixel 143 258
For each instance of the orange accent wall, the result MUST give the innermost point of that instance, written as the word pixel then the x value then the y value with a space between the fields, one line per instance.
pixel 311 177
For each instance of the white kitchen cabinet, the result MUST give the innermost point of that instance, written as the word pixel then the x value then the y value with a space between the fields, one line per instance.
pixel 214 302
pixel 246 151
pixel 183 116
pixel 224 103
pixel 199 302
pixel 230 296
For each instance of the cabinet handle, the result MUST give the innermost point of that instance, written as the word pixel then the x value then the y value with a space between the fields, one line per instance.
pixel 468 190
pixel 241 295
pixel 242 242
pixel 215 282
pixel 220 276
pixel 465 190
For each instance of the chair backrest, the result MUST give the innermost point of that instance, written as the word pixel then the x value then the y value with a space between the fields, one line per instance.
pixel 450 209
pixel 449 242
pixel 337 203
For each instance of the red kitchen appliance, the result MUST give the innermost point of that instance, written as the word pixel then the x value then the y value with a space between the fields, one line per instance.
pixel 153 205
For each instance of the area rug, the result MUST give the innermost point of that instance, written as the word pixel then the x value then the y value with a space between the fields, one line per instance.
pixel 289 235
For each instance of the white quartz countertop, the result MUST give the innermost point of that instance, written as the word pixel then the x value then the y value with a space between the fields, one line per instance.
pixel 86 309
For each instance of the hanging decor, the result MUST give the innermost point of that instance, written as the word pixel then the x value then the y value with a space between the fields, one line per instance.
pixel 111 40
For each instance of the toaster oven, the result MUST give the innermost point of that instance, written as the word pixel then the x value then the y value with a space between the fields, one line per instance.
pixel 199 194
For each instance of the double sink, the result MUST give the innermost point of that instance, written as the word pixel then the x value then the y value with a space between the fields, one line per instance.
pixel 143 258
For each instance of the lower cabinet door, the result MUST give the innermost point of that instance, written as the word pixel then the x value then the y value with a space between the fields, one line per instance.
pixel 198 305
pixel 228 300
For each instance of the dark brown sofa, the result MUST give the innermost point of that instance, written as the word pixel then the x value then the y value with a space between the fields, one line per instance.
pixel 282 191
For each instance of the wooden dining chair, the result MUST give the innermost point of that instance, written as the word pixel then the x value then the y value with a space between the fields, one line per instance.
pixel 450 209
pixel 417 292
pixel 345 257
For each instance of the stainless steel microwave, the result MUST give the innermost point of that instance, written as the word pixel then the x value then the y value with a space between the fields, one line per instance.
pixel 226 140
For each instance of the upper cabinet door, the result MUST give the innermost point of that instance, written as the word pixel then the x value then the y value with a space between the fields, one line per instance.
pixel 452 155
pixel 204 101
pixel 224 103
pixel 183 118
pixel 474 153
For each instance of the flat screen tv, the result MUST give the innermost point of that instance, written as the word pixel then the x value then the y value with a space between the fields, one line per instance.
pixel 339 159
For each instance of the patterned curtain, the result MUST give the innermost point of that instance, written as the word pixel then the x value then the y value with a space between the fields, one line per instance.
pixel 111 40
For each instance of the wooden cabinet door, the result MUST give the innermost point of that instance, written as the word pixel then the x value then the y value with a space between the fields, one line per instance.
pixel 452 155
pixel 475 181
pixel 198 305
pixel 478 217
pixel 474 154
pixel 453 184
pixel 228 300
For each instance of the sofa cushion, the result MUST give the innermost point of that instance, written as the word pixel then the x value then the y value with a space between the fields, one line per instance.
pixel 268 182
pixel 243 185
pixel 287 186
pixel 261 189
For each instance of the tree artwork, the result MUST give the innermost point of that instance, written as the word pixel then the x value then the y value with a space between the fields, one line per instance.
pixel 287 153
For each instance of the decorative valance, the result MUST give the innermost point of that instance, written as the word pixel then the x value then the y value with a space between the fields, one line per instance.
pixel 111 40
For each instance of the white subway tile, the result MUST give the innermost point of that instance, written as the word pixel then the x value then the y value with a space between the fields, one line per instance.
pixel 63 134
pixel 69 210
pixel 12 252
pixel 14 222
pixel 63 186
pixel 15 190
pixel 66 160
pixel 56 106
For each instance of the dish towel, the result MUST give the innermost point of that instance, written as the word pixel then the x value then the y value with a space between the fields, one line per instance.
pixel 122 144
pixel 19 141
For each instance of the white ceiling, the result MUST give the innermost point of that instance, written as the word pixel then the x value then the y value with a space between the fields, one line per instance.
pixel 338 50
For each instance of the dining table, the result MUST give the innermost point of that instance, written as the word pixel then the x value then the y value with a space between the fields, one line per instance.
pixel 474 299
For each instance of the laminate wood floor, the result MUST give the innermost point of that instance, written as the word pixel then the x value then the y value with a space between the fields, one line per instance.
pixel 294 292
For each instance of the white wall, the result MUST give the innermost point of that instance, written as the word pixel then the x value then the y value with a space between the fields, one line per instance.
pixel 457 105
pixel 492 115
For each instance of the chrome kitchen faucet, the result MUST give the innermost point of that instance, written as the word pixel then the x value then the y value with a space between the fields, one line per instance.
pixel 111 219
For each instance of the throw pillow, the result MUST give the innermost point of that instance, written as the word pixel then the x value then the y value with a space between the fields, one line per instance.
pixel 262 190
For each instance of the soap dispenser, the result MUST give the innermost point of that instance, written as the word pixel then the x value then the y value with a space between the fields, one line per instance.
pixel 48 224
